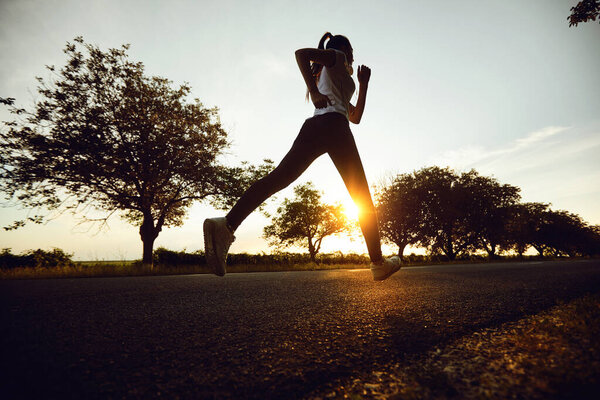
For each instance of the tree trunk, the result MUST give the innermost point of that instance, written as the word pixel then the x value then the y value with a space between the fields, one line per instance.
pixel 520 250
pixel 540 250
pixel 147 254
pixel 311 251
pixel 491 251
pixel 450 249
pixel 148 233
pixel 401 247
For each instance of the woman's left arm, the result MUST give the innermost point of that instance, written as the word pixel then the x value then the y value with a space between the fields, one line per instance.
pixel 355 112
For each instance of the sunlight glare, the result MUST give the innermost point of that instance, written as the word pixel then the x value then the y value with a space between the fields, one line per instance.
pixel 351 210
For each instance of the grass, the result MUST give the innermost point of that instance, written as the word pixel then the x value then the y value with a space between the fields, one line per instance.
pixel 130 268
pixel 89 269
pixel 550 355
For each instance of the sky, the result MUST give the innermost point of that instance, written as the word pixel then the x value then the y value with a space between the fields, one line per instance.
pixel 505 87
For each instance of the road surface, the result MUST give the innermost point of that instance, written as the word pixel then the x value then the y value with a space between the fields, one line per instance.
pixel 254 335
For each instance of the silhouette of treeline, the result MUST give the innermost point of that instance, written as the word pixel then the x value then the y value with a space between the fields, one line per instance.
pixel 461 214
pixel 169 260
pixel 166 258
pixel 35 259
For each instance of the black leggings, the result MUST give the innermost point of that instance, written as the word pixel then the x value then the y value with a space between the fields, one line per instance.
pixel 328 133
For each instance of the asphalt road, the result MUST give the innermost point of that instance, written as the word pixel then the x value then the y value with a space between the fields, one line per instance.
pixel 255 335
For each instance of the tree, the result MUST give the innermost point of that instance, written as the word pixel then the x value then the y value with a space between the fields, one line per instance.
pixel 399 208
pixel 305 220
pixel 563 233
pixel 550 232
pixel 104 138
pixel 585 10
pixel 487 207
pixel 445 226
pixel 456 214
pixel 592 240
pixel 523 224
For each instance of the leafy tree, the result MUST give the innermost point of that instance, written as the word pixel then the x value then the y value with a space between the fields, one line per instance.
pixel 550 232
pixel 234 181
pixel 445 225
pixel 306 220
pixel 488 209
pixel 563 233
pixel 539 234
pixel 591 245
pixel 524 221
pixel 104 138
pixel 399 207
pixel 585 10
pixel 456 214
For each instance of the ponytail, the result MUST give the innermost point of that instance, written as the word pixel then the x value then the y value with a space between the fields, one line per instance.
pixel 335 42
pixel 316 67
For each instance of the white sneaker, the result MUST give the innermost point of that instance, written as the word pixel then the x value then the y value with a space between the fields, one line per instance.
pixel 386 269
pixel 217 240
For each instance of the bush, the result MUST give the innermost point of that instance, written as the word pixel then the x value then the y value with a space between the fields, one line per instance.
pixel 162 256
pixel 9 260
pixel 415 258
pixel 35 259
pixel 165 257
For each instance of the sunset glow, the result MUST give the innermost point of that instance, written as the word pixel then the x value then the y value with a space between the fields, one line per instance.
pixel 351 210
pixel 523 111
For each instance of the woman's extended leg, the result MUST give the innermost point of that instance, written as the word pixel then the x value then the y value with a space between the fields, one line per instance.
pixel 306 148
pixel 344 155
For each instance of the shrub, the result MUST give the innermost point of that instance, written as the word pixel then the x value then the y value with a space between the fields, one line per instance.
pixel 35 258
pixel 163 256
pixel 9 260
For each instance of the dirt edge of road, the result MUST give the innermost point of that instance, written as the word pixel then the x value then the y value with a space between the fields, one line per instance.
pixel 553 354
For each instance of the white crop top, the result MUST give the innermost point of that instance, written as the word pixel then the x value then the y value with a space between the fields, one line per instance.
pixel 336 83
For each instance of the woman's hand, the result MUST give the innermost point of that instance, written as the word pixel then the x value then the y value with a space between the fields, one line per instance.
pixel 319 99
pixel 355 113
pixel 363 74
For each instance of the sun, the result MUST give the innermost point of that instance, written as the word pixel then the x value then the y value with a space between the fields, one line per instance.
pixel 350 209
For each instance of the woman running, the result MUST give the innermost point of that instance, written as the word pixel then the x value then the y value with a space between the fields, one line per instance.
pixel 328 76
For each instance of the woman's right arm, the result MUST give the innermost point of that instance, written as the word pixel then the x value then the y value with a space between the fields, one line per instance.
pixel 323 57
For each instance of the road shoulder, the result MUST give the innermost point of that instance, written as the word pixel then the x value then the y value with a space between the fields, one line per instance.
pixel 553 354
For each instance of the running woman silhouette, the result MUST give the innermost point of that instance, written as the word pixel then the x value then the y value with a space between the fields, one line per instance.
pixel 327 71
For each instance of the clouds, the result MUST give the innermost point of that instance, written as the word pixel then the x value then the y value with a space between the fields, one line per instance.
pixel 538 136
pixel 555 164
pixel 519 150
